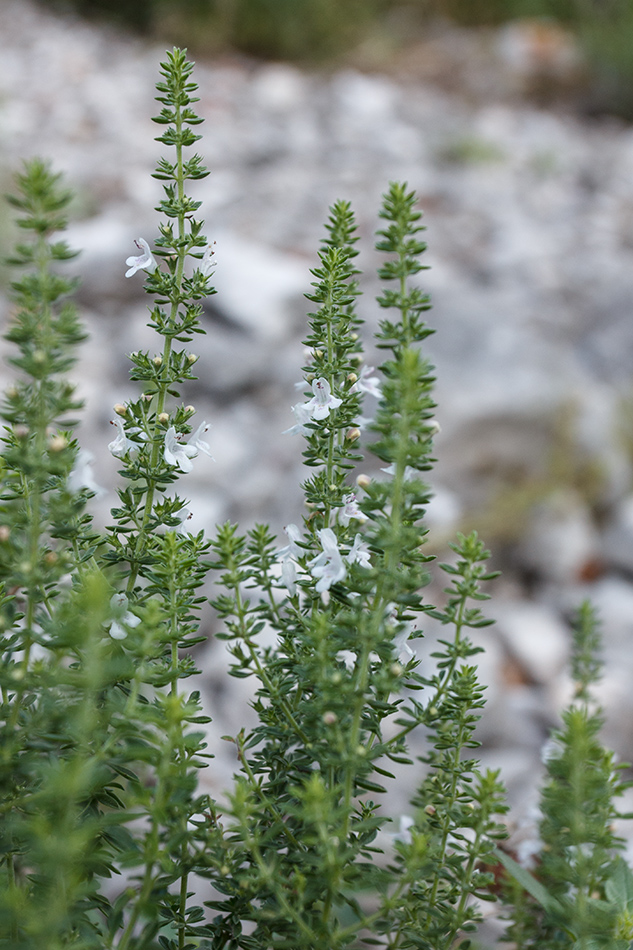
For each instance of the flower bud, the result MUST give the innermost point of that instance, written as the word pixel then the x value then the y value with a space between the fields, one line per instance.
pixel 352 434
pixel 21 431
pixel 163 417
pixel 396 669
pixel 157 361
pixel 192 358
pixel 430 809
pixel 352 378
pixel 329 717
pixel 120 409
pixel 190 409
pixel 363 481
pixel 361 751
pixel 5 533
pixel 57 443
pixel 51 558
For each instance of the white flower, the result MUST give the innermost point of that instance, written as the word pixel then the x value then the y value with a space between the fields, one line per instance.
pixel 181 455
pixel 328 566
pixel 119 603
pixel 287 555
pixel 81 474
pixel 323 400
pixel 359 553
pixel 409 472
pixel 400 642
pixel 350 510
pixel 404 832
pixel 289 575
pixel 178 454
pixel 366 383
pixel 302 414
pixel 144 261
pixel 183 516
pixel 196 442
pixel 292 549
pixel 121 445
pixel 207 263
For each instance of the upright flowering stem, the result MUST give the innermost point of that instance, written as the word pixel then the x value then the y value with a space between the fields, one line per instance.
pixel 165 567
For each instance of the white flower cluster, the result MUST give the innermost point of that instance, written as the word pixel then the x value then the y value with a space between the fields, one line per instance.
pixel 328 567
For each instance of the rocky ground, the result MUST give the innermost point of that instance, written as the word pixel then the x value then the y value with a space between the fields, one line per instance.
pixel 530 230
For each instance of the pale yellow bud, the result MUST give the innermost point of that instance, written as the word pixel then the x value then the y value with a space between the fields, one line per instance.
pixel 157 361
pixel 163 417
pixel 352 378
pixel 361 751
pixel 190 409
pixel 192 358
pixel 329 718
pixel 352 434
pixel 57 443
pixel 363 481
pixel 120 409
pixel 5 534
pixel 430 809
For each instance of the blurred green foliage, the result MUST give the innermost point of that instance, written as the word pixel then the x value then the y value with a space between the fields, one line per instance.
pixel 315 31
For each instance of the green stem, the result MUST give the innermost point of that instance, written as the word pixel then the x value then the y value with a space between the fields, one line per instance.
pixel 165 365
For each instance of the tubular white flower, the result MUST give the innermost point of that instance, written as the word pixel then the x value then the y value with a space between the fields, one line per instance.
pixel 302 414
pixel 121 445
pixel 401 644
pixel 82 476
pixel 207 263
pixel 197 443
pixel 409 472
pixel 328 566
pixel 323 400
pixel 144 261
pixel 350 510
pixel 366 383
pixel 178 454
pixel 117 631
pixel 183 517
pixel 358 553
pixel 287 556
pixel 289 575
pixel 291 549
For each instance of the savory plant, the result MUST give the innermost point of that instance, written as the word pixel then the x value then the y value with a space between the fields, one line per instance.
pixel 106 839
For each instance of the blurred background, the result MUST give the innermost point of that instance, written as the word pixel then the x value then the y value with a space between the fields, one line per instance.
pixel 512 120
